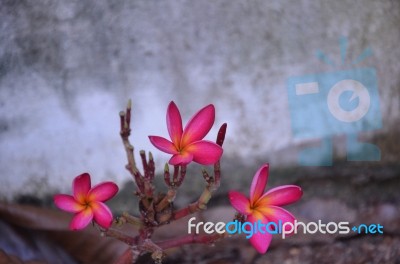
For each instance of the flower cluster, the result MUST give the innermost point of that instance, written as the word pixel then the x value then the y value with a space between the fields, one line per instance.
pixel 186 144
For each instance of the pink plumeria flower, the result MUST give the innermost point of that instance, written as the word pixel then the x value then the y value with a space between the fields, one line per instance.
pixel 186 145
pixel 87 203
pixel 265 206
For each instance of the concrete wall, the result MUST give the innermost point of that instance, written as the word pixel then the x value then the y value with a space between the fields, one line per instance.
pixel 68 67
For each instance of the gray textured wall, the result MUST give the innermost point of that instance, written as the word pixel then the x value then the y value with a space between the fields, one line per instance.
pixel 68 67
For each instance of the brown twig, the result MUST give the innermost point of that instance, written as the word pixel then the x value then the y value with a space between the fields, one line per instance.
pixel 213 183
pixel 167 176
pixel 220 142
pixel 135 221
pixel 175 177
pixel 125 120
pixel 151 167
pixel 156 210
pixel 167 200
pixel 144 163
pixel 200 204
pixel 177 180
pixel 181 176
pixel 111 232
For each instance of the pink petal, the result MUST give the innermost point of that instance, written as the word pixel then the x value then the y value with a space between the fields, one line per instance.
pixel 259 182
pixel 181 159
pixel 67 203
pixel 103 192
pixel 81 187
pixel 204 152
pixel 102 214
pixel 174 124
pixel 163 144
pixel 280 196
pixel 239 202
pixel 81 219
pixel 275 213
pixel 198 127
pixel 260 241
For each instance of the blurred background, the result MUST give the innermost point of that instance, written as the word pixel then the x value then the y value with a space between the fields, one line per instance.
pixel 68 67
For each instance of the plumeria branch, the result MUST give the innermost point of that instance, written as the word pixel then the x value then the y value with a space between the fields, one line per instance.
pixel 173 184
pixel 213 183
pixel 127 218
pixel 112 232
pixel 125 120
pixel 157 209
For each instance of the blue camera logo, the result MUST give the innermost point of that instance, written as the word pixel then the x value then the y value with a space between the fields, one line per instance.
pixel 341 102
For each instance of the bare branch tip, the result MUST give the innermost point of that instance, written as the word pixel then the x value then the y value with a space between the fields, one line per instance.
pixel 221 134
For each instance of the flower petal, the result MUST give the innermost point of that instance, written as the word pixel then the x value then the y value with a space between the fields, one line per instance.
pixel 259 240
pixel 239 202
pixel 174 124
pixel 259 182
pixel 81 187
pixel 275 213
pixel 204 152
pixel 280 196
pixel 102 214
pixel 181 159
pixel 67 203
pixel 81 219
pixel 163 144
pixel 103 192
pixel 198 127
